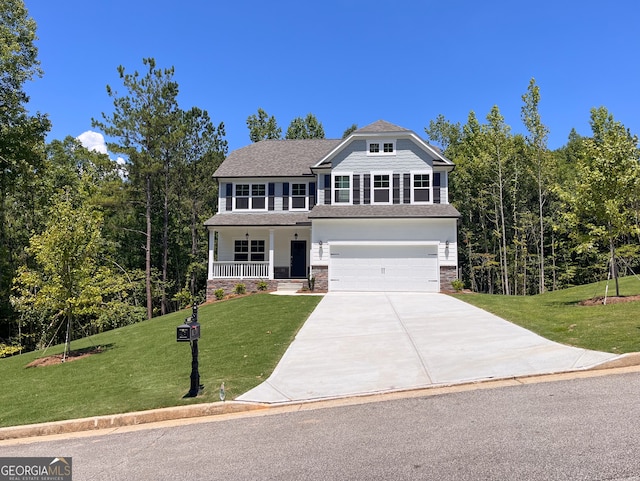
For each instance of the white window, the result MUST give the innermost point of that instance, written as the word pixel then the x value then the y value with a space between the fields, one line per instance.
pixel 342 188
pixel 381 187
pixel 250 196
pixel 381 147
pixel 298 196
pixel 421 187
pixel 245 250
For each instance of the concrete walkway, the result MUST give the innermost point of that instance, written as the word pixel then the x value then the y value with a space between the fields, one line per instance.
pixel 361 343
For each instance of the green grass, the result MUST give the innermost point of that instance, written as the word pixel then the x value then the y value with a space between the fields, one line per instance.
pixel 143 367
pixel 558 316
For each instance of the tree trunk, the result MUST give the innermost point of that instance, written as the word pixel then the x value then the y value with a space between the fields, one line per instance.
pixel 194 246
pixel 614 268
pixel 540 210
pixel 148 247
pixel 165 242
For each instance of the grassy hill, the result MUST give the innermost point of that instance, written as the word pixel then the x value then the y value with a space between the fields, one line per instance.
pixel 558 315
pixel 143 367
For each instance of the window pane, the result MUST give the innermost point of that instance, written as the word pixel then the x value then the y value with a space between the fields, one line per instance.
pixel 342 196
pixel 242 202
pixel 241 249
pixel 380 181
pixel 257 250
pixel 381 195
pixel 388 147
pixel 421 181
pixel 342 182
pixel 299 189
pixel 258 202
pixel 421 195
pixel 258 190
pixel 242 190
pixel 298 202
pixel 374 148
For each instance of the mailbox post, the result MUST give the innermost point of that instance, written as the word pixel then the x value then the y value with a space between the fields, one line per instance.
pixel 190 332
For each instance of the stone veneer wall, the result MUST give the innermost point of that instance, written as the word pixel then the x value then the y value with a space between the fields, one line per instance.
pixel 321 273
pixel 229 286
pixel 448 274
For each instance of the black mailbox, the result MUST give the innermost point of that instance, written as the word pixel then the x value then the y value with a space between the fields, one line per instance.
pixel 189 331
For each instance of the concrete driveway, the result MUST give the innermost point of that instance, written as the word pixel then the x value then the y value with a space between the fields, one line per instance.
pixel 361 343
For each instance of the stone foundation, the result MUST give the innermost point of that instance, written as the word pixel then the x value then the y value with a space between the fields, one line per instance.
pixel 321 273
pixel 229 286
pixel 448 274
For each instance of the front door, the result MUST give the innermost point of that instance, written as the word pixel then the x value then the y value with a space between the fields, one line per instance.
pixel 298 259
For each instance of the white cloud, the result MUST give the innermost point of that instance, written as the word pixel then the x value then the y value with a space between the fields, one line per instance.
pixel 93 141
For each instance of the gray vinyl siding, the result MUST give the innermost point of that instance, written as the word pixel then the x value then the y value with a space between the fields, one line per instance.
pixel 408 157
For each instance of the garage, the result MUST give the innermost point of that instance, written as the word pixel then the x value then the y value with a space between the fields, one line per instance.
pixel 411 267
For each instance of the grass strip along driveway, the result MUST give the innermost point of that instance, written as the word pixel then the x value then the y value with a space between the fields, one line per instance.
pixel 560 317
pixel 143 367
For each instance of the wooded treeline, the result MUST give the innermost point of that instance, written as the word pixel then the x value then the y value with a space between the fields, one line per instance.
pixel 88 243
pixel 534 219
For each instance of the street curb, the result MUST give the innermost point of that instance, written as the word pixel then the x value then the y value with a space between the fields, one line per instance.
pixel 112 421
pixel 126 419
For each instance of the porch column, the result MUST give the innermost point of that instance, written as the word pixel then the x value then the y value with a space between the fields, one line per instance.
pixel 271 250
pixel 212 243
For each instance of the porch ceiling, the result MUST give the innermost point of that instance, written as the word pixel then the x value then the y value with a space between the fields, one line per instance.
pixel 262 219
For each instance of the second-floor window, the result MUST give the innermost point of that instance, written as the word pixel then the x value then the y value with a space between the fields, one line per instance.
pixel 381 188
pixel 342 189
pixel 421 187
pixel 298 196
pixel 250 196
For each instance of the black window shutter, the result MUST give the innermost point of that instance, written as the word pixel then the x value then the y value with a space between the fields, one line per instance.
pixel 285 196
pixel 272 194
pixel 407 189
pixel 436 187
pixel 367 188
pixel 396 188
pixel 356 189
pixel 327 189
pixel 229 195
pixel 312 194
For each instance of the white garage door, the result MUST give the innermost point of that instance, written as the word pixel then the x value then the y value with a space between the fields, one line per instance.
pixel 384 268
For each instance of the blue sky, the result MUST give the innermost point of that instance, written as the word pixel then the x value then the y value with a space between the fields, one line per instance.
pixel 346 62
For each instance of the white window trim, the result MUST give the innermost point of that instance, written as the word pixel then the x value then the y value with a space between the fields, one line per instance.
pixel 381 143
pixel 373 189
pixel 251 184
pixel 306 196
pixel 333 187
pixel 422 172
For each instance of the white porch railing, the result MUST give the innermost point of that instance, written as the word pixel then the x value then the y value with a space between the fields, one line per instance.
pixel 240 270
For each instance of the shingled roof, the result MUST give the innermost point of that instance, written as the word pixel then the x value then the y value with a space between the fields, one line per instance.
pixel 276 158
pixel 381 126
pixel 372 211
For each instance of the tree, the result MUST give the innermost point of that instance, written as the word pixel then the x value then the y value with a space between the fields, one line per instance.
pixel 21 135
pixel 307 128
pixel 349 131
pixel 142 122
pixel 605 188
pixel 537 140
pixel 68 281
pixel 263 127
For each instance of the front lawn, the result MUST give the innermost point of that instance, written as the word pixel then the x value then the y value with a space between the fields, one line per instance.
pixel 558 316
pixel 143 367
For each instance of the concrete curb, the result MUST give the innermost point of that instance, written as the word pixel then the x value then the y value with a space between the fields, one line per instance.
pixel 624 363
pixel 126 419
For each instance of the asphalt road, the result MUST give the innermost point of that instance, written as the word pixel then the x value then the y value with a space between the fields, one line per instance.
pixel 580 429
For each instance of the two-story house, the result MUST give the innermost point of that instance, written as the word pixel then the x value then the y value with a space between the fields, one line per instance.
pixel 366 213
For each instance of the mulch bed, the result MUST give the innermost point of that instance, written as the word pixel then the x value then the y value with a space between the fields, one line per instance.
pixel 71 356
pixel 598 301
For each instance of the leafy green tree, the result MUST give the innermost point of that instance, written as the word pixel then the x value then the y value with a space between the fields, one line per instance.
pixel 143 121
pixel 21 136
pixel 537 140
pixel 349 131
pixel 602 195
pixel 305 128
pixel 67 282
pixel 263 127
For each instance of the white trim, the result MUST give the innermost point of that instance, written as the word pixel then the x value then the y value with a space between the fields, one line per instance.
pixel 430 173
pixel 250 197
pixel 333 188
pixel 306 196
pixel 384 243
pixel 388 173
pixel 381 142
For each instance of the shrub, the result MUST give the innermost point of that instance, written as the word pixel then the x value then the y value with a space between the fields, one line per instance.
pixel 312 283
pixel 240 289
pixel 219 293
pixel 457 284
pixel 263 285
